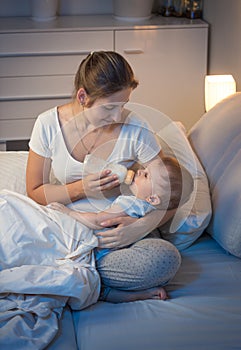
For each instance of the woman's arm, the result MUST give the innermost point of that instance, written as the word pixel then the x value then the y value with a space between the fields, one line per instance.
pixel 39 188
pixel 42 191
pixel 130 230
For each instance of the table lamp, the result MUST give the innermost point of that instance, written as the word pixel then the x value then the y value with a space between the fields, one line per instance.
pixel 217 87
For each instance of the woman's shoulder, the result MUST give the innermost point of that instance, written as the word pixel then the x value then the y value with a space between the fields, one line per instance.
pixel 131 116
pixel 134 119
pixel 136 126
pixel 45 128
pixel 48 117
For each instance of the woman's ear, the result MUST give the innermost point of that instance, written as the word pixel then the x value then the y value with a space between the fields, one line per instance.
pixel 153 199
pixel 81 96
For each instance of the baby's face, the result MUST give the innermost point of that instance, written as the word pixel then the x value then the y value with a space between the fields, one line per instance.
pixel 151 180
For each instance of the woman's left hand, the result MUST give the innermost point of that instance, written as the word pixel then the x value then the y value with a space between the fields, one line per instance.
pixel 128 231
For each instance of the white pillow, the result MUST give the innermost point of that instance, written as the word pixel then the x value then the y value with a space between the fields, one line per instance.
pixel 193 217
pixel 13 171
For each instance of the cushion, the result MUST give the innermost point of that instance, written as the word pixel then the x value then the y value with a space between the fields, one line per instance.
pixel 192 218
pixel 216 139
pixel 12 171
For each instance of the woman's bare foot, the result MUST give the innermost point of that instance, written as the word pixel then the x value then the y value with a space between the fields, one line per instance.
pixel 121 296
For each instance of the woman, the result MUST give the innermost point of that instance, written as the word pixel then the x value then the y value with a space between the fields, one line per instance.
pixel 95 122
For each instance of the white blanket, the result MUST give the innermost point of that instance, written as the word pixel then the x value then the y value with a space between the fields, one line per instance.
pixel 46 261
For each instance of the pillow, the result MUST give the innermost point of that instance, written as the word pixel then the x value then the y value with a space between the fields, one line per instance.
pixel 12 171
pixel 216 139
pixel 192 218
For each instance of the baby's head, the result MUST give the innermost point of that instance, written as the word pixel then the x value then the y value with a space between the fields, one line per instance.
pixel 164 183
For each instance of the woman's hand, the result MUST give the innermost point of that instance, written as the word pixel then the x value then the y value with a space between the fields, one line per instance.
pixel 95 184
pixel 117 237
pixel 129 230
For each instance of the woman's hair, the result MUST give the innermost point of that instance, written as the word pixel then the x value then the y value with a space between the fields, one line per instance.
pixel 103 73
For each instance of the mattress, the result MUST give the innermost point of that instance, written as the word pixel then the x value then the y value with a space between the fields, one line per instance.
pixel 203 312
pixel 65 338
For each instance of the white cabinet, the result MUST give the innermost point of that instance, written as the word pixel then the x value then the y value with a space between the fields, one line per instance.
pixel 38 62
pixel 170 65
pixel 37 72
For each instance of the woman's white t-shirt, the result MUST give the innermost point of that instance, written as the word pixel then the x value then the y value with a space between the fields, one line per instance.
pixel 136 143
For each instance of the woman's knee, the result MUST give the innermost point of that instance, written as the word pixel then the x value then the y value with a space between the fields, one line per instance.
pixel 147 263
pixel 162 260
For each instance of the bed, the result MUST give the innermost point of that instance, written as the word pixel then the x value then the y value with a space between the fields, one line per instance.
pixel 204 308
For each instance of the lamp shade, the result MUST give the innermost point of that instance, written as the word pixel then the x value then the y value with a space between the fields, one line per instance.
pixel 217 87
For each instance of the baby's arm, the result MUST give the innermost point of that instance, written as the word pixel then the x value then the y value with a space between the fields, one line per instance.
pixel 91 220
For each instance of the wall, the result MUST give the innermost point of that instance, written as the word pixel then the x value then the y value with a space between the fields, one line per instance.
pixel 224 17
pixel 66 7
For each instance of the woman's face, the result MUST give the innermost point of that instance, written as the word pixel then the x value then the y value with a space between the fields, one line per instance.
pixel 108 110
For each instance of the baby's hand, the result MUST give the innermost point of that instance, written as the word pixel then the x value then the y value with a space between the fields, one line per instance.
pixel 60 207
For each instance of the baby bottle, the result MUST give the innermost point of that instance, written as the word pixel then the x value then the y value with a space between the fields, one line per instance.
pixel 93 164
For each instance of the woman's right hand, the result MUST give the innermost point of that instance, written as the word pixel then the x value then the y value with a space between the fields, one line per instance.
pixel 95 184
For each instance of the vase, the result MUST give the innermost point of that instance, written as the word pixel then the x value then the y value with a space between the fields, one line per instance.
pixel 132 10
pixel 44 10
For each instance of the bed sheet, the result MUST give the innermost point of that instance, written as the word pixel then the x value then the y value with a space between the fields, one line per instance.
pixel 46 263
pixel 65 336
pixel 203 312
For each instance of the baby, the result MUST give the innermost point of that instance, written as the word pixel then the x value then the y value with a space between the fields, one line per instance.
pixel 164 184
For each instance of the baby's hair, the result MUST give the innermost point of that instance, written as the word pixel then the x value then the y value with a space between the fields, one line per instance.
pixel 103 73
pixel 181 182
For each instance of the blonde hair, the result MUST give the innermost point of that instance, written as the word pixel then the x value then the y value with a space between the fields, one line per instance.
pixel 103 73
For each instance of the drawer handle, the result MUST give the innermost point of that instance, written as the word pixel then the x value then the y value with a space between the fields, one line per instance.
pixel 133 51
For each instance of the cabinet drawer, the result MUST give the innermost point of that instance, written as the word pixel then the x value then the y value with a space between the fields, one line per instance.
pixel 43 87
pixel 17 117
pixel 35 65
pixel 27 109
pixel 55 43
pixel 16 129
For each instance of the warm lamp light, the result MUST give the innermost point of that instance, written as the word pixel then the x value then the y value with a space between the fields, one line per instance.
pixel 217 87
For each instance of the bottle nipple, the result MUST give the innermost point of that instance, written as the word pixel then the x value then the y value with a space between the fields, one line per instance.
pixel 121 171
pixel 129 177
